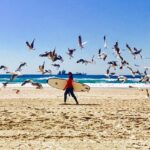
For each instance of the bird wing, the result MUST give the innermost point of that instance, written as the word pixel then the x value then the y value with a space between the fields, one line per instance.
pixel 80 41
pixel 99 51
pixel 105 43
pixel 28 44
pixel 129 48
pixel 32 44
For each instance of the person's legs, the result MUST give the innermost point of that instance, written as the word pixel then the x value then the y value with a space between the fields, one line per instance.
pixel 73 95
pixel 65 95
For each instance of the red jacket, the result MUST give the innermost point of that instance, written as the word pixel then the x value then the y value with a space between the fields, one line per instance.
pixel 69 83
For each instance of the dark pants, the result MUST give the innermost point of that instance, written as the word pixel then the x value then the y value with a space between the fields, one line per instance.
pixel 70 92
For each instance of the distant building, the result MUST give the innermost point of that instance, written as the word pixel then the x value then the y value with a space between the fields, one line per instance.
pixel 64 72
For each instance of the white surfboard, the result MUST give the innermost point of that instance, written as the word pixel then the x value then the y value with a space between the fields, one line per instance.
pixel 60 84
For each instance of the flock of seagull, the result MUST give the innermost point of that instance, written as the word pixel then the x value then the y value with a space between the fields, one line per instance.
pixel 120 63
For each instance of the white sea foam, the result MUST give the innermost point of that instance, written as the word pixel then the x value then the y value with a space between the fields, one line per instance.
pixel 44 78
pixel 104 79
pixel 118 85
pixel 87 79
pixel 94 85
pixel 15 85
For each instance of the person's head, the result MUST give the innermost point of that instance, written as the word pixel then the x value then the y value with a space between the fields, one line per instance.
pixel 70 75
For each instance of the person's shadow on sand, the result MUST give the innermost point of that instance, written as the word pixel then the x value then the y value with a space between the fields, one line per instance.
pixel 82 104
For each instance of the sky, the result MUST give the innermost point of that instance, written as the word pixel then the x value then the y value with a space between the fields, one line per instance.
pixel 58 23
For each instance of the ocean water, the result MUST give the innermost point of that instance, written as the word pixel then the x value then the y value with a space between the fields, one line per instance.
pixel 91 80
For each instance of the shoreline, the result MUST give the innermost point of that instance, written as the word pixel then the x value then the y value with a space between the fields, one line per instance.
pixel 95 85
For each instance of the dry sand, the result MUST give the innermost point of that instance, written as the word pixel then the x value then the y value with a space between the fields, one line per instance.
pixel 106 119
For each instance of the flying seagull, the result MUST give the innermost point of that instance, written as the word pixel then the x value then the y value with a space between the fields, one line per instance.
pixel 37 85
pixel 122 79
pixel 108 73
pixel 48 71
pixel 56 65
pixel 70 52
pixel 134 51
pixel 20 66
pixel 14 75
pixel 113 64
pixel 105 43
pixel 83 61
pixel 41 68
pixel 26 81
pixel 137 52
pixel 101 55
pixel 30 45
pixel 81 43
pixel 54 56
pixel 3 67
pixel 45 54
pixel 5 84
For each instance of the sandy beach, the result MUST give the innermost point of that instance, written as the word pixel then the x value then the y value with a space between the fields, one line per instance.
pixel 106 119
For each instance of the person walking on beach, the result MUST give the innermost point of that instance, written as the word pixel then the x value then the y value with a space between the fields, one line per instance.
pixel 69 88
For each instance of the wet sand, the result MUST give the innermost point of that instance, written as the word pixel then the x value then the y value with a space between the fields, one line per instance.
pixel 106 119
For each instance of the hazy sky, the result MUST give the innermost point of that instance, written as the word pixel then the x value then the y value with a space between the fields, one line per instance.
pixel 57 23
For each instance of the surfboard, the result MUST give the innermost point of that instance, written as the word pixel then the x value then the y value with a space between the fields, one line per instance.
pixel 60 84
